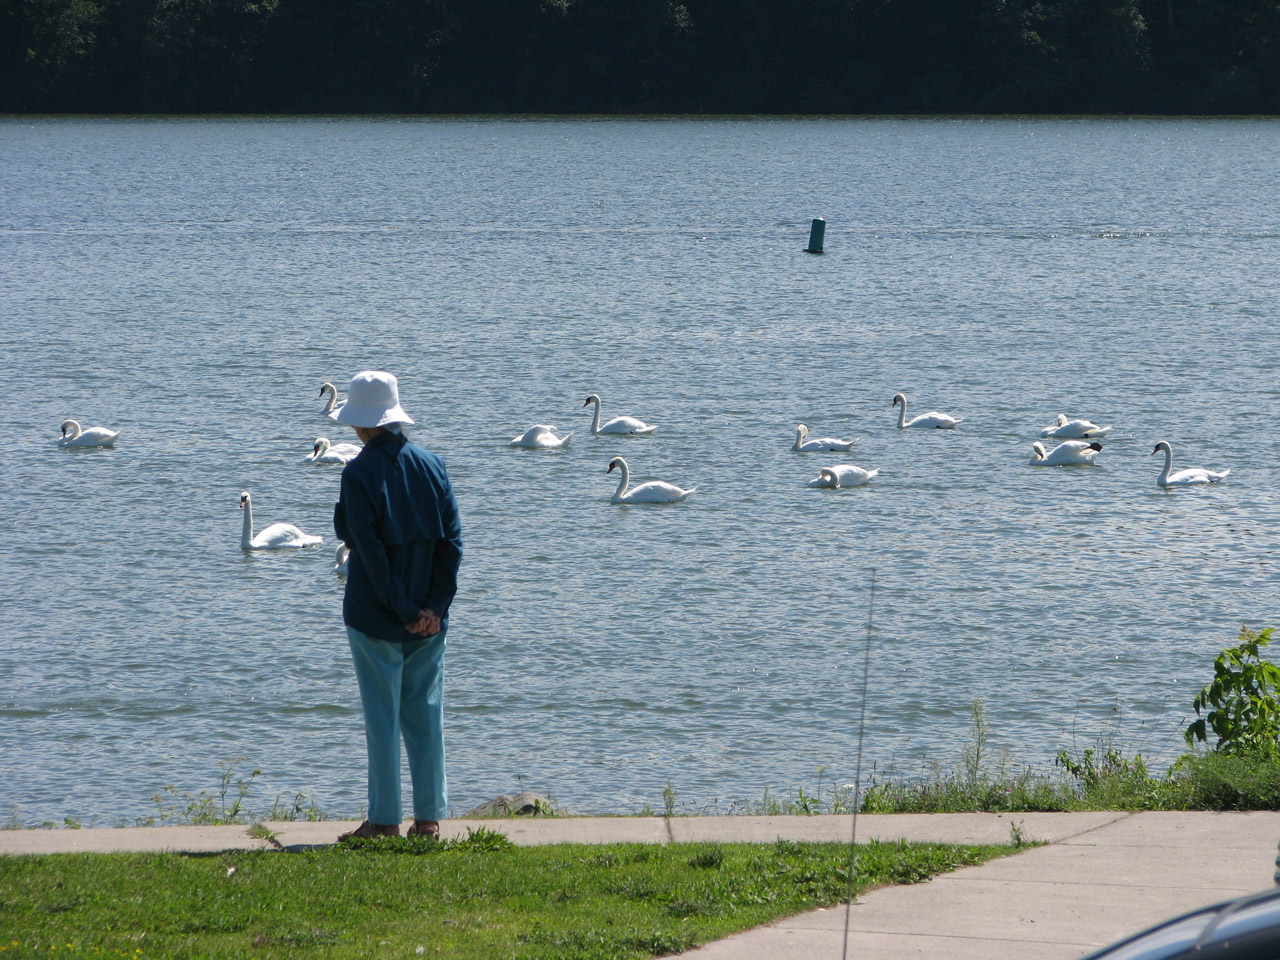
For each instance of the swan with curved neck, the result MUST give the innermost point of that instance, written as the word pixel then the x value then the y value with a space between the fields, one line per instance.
pixel 325 452
pixel 655 491
pixel 842 475
pixel 1075 429
pixel 73 436
pixel 1183 478
pixel 541 436
pixel 805 445
pixel 1067 453
pixel 341 559
pixel 618 425
pixel 933 418
pixel 332 391
pixel 273 537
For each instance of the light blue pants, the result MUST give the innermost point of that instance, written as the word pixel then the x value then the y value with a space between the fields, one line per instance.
pixel 401 687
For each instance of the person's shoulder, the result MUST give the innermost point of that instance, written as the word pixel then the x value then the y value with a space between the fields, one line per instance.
pixel 425 455
pixel 432 462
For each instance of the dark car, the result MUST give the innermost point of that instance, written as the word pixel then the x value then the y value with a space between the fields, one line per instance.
pixel 1247 928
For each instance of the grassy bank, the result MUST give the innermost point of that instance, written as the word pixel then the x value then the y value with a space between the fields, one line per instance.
pixel 476 898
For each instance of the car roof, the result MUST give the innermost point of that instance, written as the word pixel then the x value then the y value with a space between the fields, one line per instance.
pixel 1247 928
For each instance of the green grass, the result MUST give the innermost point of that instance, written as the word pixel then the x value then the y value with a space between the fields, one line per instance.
pixel 477 898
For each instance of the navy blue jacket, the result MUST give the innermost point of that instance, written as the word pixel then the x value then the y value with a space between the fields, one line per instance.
pixel 397 514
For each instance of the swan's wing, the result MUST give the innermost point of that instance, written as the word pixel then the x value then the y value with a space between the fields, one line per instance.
pixel 627 425
pixel 831 443
pixel 852 476
pixel 656 491
pixel 933 418
pixel 1195 475
pixel 283 535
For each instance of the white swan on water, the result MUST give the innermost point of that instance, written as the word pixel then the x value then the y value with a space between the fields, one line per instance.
pixel 73 436
pixel 1067 453
pixel 540 436
pixel 1183 478
pixel 842 475
pixel 804 445
pixel 275 536
pixel 1075 429
pixel 933 418
pixel 341 559
pixel 655 491
pixel 618 425
pixel 325 452
pixel 332 402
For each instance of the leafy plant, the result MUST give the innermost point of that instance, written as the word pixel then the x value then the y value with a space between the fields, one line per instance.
pixel 1241 706
pixel 205 809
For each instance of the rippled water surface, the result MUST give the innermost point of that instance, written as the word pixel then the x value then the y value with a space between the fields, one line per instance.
pixel 192 282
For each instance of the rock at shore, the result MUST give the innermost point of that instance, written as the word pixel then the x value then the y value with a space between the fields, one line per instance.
pixel 523 804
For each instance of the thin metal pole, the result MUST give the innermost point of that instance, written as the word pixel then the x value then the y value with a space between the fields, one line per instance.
pixel 857 768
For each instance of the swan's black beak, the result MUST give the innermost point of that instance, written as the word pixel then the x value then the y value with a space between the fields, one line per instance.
pixel 242 503
pixel 64 431
pixel 586 403
pixel 1157 448
pixel 610 470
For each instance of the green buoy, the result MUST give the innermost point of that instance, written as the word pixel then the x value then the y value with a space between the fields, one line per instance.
pixel 816 234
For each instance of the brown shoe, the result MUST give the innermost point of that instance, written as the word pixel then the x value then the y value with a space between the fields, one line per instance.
pixel 367 830
pixel 424 828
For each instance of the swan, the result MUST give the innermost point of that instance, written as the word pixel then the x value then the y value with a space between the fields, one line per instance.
pixel 1075 429
pixel 332 403
pixel 618 425
pixel 842 475
pixel 803 445
pixel 1186 477
pixel 93 437
pixel 324 452
pixel 655 491
pixel 340 559
pixel 1065 454
pixel 275 536
pixel 931 419
pixel 540 436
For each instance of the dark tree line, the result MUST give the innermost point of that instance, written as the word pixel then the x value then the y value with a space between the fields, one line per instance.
pixel 638 56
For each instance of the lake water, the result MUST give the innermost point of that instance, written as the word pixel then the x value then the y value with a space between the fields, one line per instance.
pixel 193 281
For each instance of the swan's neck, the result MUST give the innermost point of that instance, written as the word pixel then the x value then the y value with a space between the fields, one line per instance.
pixel 595 428
pixel 902 414
pixel 622 480
pixel 1168 462
pixel 1039 451
pixel 322 447
pixel 800 434
pixel 73 430
pixel 246 531
pixel 331 395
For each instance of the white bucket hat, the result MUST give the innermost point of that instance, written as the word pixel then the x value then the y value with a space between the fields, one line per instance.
pixel 373 400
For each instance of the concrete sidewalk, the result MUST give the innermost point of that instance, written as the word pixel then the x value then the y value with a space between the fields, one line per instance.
pixel 1101 876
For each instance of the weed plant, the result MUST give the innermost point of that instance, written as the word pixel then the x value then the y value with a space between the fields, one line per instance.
pixel 475 898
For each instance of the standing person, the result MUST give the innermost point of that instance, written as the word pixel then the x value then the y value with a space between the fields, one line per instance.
pixel 397 514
